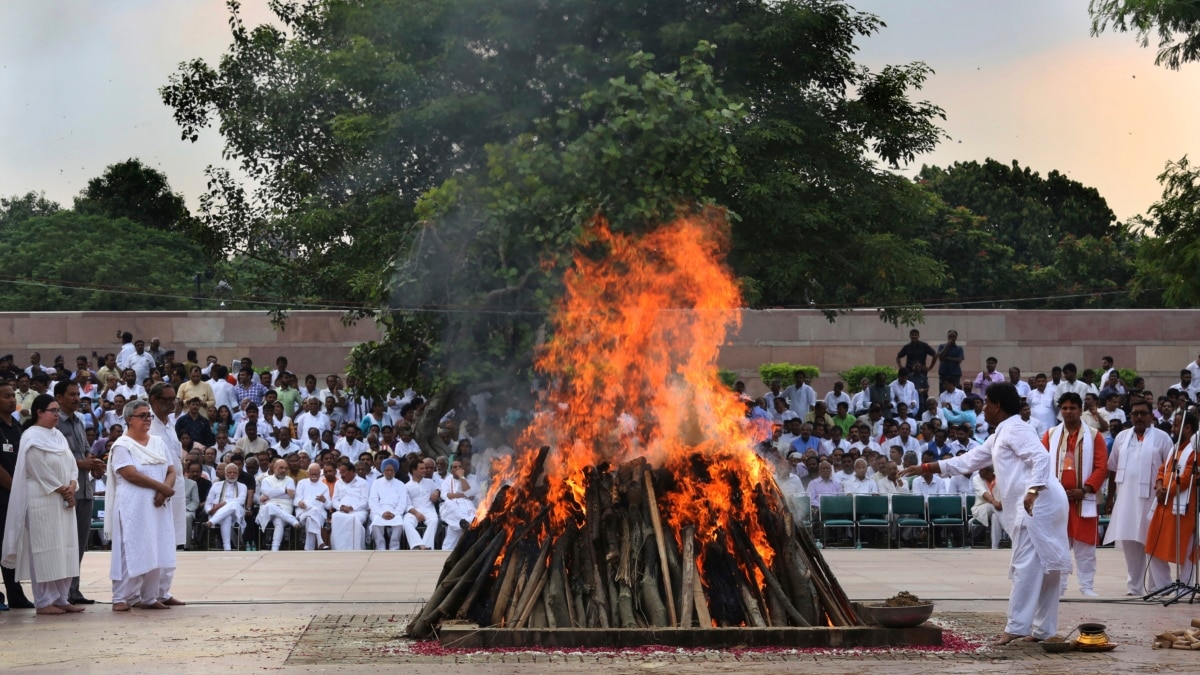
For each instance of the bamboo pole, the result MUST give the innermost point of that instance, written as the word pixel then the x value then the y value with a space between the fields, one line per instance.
pixel 686 602
pixel 656 521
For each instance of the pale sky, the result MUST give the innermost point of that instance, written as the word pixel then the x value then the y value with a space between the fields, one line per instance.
pixel 1019 79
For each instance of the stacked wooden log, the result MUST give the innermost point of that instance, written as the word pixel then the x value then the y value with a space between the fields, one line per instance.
pixel 1186 638
pixel 614 561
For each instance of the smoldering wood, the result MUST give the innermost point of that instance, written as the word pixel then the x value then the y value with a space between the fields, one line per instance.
pixel 686 601
pixel 656 524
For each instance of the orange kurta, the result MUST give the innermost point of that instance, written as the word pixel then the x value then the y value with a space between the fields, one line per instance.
pixel 1083 530
pixel 1160 538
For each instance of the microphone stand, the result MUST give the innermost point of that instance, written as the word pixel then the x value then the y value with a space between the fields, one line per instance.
pixel 1178 589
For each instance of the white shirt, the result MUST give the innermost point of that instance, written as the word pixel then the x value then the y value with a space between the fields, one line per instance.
pixel 224 394
pixel 305 421
pixel 954 398
pixel 352 494
pixel 307 492
pixel 142 364
pixel 854 486
pixel 419 493
pixel 904 392
pixel 351 449
pixel 936 486
pixel 800 399
pixel 130 393
pixel 832 399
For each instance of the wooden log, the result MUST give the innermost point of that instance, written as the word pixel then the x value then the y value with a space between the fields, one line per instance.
pixel 510 570
pixel 557 614
pixel 803 591
pixel 687 577
pixel 510 612
pixel 833 597
pixel 537 580
pixel 656 522
pixel 487 561
pixel 454 599
pixel 772 584
pixel 539 618
pixel 652 602
pixel 754 616
pixel 422 625
pixel 702 615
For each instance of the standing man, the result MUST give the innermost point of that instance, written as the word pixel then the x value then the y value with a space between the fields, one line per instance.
pixel 1035 515
pixel 1171 537
pixel 162 404
pixel 10 444
pixel 801 397
pixel 1081 463
pixel 1069 383
pixel 988 376
pixel 141 362
pixel 1133 465
pixel 66 393
pixel 915 352
pixel 951 355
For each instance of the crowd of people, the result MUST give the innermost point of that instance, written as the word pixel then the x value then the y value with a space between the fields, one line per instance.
pixel 179 451
pixel 1110 446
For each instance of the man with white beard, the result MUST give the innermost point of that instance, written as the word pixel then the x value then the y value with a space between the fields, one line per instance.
pixel 275 493
pixel 312 499
pixel 346 531
pixel 458 509
pixel 388 502
pixel 226 504
pixel 162 426
pixel 423 493
pixel 1137 454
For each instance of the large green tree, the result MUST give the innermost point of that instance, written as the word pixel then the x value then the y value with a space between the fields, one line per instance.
pixel 1176 24
pixel 112 264
pixel 459 147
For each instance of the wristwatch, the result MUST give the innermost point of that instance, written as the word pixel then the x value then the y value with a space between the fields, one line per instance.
pixel 1034 490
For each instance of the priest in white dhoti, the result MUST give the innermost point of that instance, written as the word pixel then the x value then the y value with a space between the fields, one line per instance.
pixel 275 493
pixel 347 524
pixel 458 505
pixel 388 503
pixel 226 505
pixel 423 493
pixel 1035 513
pixel 1137 455
pixel 162 404
pixel 138 517
pixel 40 536
pixel 312 507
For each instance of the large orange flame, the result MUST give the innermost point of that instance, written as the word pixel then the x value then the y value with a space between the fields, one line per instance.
pixel 632 371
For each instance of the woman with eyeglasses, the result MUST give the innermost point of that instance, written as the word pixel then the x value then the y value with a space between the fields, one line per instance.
pixel 140 523
pixel 40 537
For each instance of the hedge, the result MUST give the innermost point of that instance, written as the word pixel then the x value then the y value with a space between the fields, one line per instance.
pixel 785 372
pixel 852 376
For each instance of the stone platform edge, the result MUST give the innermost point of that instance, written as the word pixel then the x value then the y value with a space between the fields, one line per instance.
pixel 467 636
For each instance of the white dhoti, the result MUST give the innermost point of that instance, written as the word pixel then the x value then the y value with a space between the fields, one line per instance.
pixel 347 531
pixel 1085 568
pixel 1040 558
pixel 313 519
pixel 276 516
pixel 224 519
pixel 414 537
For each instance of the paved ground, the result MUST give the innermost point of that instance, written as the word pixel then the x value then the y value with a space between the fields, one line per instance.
pixel 345 612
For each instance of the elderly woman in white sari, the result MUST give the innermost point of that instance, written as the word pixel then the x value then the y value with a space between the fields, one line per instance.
pixel 40 536
pixel 140 523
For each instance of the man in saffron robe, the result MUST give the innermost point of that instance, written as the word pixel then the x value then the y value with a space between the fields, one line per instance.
pixel 1175 493
pixel 1081 463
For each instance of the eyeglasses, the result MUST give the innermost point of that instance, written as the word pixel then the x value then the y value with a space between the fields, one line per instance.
pixel 53 410
pixel 141 416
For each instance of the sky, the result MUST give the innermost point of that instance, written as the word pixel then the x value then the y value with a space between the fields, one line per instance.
pixel 1019 80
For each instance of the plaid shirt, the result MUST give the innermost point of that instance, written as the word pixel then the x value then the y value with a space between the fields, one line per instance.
pixel 255 392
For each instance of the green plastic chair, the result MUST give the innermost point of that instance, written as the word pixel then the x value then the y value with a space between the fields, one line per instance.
pixel 909 511
pixel 872 511
pixel 836 511
pixel 96 529
pixel 947 512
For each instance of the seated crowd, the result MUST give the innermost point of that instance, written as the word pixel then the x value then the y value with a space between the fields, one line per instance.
pixel 263 455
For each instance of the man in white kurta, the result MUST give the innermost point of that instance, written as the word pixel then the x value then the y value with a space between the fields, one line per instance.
pixel 162 404
pixel 347 523
pixel 1137 454
pixel 458 505
pixel 142 534
pixel 40 540
pixel 388 503
pixel 226 504
pixel 275 492
pixel 1035 513
pixel 423 493
pixel 312 506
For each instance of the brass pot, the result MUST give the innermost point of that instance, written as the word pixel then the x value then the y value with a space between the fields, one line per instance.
pixel 1092 634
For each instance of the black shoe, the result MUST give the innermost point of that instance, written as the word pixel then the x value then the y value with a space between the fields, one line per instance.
pixel 81 601
pixel 20 603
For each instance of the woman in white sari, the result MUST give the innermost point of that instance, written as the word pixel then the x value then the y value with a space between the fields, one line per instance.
pixel 139 520
pixel 40 537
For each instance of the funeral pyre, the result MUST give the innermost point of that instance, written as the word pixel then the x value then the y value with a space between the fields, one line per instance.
pixel 637 500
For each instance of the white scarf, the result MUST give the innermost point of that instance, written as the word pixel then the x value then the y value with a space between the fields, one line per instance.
pixel 15 547
pixel 151 453
pixel 1179 505
pixel 1085 454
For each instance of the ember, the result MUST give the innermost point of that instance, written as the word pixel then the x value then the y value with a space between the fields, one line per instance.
pixel 636 500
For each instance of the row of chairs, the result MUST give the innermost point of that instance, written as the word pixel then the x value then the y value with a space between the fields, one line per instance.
pixel 891 515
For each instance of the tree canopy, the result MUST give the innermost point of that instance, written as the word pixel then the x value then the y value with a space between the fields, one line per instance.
pixel 1176 24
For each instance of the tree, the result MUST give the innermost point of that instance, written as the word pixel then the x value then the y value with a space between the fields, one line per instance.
pixel 114 264
pixel 19 209
pixel 1168 262
pixel 1176 22
pixel 429 140
pixel 135 191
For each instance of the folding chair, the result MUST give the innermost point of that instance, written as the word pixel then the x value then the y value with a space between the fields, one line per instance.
pixel 836 511
pixel 946 511
pixel 96 529
pixel 871 511
pixel 909 512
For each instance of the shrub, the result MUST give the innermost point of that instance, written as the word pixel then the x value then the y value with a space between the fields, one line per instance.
pixel 1126 375
pixel 853 375
pixel 785 372
pixel 727 377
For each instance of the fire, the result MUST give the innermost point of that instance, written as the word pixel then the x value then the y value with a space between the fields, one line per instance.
pixel 632 372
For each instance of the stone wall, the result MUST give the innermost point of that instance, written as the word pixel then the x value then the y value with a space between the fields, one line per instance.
pixel 1156 343
pixel 313 341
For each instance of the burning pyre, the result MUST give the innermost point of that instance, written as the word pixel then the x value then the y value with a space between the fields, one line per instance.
pixel 637 500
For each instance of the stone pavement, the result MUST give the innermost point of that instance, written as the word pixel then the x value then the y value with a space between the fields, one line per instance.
pixel 345 612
